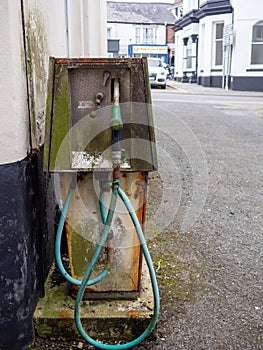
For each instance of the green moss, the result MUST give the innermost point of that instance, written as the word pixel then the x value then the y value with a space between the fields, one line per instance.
pixel 60 157
pixel 177 276
pixel 36 66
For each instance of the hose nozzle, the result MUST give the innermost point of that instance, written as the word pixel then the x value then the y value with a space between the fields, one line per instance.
pixel 116 121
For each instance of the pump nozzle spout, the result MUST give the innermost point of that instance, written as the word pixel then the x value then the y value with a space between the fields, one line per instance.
pixel 116 121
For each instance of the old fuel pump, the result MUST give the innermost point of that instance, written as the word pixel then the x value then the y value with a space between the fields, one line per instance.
pixel 100 144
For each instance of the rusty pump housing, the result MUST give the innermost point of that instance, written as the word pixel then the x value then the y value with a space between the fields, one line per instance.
pixel 100 144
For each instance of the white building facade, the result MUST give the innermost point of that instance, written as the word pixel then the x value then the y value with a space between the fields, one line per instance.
pixel 138 23
pixel 247 55
pixel 132 33
pixel 219 43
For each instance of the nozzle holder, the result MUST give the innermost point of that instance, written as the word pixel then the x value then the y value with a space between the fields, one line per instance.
pixel 119 89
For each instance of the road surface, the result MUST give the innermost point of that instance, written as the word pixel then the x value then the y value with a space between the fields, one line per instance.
pixel 205 221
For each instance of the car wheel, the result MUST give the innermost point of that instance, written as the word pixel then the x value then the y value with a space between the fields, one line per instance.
pixel 163 86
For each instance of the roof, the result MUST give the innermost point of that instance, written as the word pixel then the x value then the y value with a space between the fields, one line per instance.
pixel 139 12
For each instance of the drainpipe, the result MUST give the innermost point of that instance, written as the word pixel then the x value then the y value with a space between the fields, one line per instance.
pixel 67 26
pixel 227 62
pixel 26 58
pixel 185 78
pixel 82 29
pixel 231 49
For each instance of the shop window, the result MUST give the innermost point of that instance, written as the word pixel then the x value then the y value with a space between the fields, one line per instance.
pixel 257 43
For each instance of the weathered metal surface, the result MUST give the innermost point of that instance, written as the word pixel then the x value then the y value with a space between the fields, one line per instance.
pixel 84 227
pixel 73 87
pixel 79 139
pixel 58 144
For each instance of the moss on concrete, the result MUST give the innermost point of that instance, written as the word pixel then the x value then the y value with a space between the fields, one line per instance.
pixel 107 320
pixel 176 275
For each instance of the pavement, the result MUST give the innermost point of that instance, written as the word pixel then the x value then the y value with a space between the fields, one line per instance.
pixel 198 89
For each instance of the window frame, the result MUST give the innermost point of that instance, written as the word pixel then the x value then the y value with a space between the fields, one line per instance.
pixel 255 42
pixel 145 36
pixel 109 32
pixel 189 55
pixel 139 34
pixel 215 45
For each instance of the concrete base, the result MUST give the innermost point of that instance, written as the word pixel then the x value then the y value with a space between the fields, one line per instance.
pixel 107 320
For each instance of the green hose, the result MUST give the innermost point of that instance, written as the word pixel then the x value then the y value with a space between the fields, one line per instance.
pixel 107 217
pixel 107 221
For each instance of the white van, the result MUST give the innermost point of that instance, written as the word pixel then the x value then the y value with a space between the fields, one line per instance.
pixel 157 73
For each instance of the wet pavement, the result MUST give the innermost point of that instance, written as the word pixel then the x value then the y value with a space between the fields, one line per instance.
pixel 208 255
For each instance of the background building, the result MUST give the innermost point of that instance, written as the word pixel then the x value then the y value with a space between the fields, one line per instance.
pixel 140 24
pixel 30 32
pixel 220 43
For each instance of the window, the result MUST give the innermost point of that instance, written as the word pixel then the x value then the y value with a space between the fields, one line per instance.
pixel 109 33
pixel 137 35
pixel 257 43
pixel 189 54
pixel 148 36
pixel 181 12
pixel 219 28
pixel 178 12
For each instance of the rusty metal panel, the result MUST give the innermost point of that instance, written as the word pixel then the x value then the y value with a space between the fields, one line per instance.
pixel 84 227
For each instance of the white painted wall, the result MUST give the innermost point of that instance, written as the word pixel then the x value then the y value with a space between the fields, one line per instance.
pixel 206 53
pixel 125 32
pixel 245 16
pixel 94 17
pixel 189 5
pixel 14 141
pixel 46 22
pixel 178 58
pixel 247 9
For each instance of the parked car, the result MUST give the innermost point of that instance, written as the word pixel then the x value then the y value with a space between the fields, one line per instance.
pixel 157 73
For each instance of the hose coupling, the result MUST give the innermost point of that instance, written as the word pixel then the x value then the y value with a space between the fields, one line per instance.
pixel 116 157
pixel 116 174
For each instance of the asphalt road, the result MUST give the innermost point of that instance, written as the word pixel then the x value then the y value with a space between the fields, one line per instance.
pixel 205 221
pixel 214 245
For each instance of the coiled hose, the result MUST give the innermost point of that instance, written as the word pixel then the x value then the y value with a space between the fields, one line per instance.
pixel 107 221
